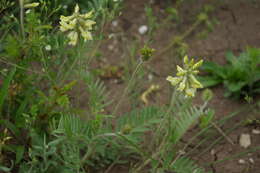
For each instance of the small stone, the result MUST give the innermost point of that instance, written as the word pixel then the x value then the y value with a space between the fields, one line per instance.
pixel 110 47
pixel 181 152
pixel 116 81
pixel 110 36
pixel 143 29
pixel 115 23
pixel 251 160
pixel 241 161
pixel 212 152
pixel 245 140
pixel 150 77
pixel 256 132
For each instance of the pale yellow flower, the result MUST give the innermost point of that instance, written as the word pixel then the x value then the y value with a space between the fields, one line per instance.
pixel 32 5
pixel 185 80
pixel 77 25
pixel 73 36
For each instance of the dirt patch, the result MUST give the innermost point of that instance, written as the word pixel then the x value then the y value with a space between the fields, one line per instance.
pixel 239 27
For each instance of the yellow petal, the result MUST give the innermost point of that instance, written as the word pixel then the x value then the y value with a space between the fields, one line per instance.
pixel 195 72
pixel 65 18
pixel 191 62
pixel 89 23
pixel 194 82
pixel 182 84
pixel 73 36
pixel 174 80
pixel 190 92
pixel 85 34
pixel 186 60
pixel 64 26
pixel 180 71
pixel 88 15
pixel 76 10
pixel 32 5
pixel 72 23
pixel 197 65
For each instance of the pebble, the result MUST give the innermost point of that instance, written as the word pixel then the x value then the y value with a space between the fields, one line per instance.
pixel 110 36
pixel 110 47
pixel 212 152
pixel 251 160
pixel 142 29
pixel 245 140
pixel 256 132
pixel 241 161
pixel 115 23
pixel 150 77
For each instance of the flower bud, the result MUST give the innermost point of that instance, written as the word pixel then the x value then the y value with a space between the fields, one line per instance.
pixel 146 53
pixel 207 95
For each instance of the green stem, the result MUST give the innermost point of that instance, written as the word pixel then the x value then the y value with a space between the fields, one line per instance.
pixel 75 61
pixel 21 2
pixel 158 134
pixel 175 40
pixel 128 86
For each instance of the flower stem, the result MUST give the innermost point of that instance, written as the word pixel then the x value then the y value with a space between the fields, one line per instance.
pixel 128 86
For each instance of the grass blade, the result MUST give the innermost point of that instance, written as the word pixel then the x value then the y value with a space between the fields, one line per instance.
pixel 4 89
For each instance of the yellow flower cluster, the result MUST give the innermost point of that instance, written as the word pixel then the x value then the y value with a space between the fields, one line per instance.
pixel 185 79
pixel 77 25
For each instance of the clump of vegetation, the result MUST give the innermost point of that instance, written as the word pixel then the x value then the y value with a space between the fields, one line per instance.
pixel 46 48
pixel 240 76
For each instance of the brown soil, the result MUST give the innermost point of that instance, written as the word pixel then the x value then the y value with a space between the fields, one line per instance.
pixel 239 27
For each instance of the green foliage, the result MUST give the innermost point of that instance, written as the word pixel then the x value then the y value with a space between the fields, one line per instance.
pixel 240 76
pixel 152 20
pixel 47 130
pixel 103 8
pixel 146 53
pixel 185 165
pixel 4 90
pixel 99 97
pixel 173 13
pixel 139 121
pixel 182 123
pixel 37 65
pixel 42 157
pixel 206 118
pixel 207 95
pixel 5 4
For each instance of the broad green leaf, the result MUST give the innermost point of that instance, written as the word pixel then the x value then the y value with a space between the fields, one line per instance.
pixel 234 86
pixel 209 81
pixel 214 68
